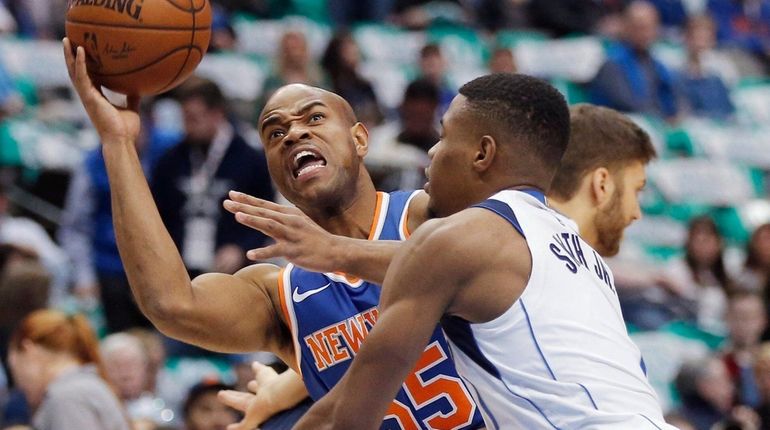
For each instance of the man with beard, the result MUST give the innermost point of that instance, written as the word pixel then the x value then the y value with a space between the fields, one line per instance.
pixel 601 175
pixel 313 321
pixel 529 309
pixel 596 186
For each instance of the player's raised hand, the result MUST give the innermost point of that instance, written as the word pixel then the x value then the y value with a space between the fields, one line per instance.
pixel 114 124
pixel 297 238
pixel 258 405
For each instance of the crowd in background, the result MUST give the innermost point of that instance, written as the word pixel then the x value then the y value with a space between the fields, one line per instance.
pixel 697 308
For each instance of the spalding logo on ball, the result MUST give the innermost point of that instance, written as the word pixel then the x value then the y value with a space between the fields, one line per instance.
pixel 140 47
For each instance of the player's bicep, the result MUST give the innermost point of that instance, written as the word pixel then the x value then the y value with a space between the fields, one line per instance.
pixel 235 313
pixel 425 273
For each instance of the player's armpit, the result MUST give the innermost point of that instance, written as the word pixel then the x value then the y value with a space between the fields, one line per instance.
pixel 232 313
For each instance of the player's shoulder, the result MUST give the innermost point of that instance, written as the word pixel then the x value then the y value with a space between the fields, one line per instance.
pixel 264 275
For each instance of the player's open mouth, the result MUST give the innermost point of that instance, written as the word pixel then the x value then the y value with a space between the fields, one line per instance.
pixel 307 161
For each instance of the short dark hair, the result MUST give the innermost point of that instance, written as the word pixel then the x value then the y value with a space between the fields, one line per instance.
pixel 198 390
pixel 204 89
pixel 530 111
pixel 422 89
pixel 429 50
pixel 600 137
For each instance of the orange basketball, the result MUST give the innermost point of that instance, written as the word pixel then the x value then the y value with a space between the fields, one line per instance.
pixel 140 46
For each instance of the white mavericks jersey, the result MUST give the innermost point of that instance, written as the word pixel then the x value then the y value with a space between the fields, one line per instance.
pixel 560 357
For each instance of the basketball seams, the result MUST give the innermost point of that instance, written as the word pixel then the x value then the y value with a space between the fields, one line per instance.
pixel 154 62
pixel 189 49
pixel 192 6
pixel 134 27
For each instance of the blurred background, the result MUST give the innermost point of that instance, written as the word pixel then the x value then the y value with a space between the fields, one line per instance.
pixel 693 275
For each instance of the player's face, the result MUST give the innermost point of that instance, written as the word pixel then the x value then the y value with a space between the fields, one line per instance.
pixel 309 145
pixel 621 210
pixel 449 173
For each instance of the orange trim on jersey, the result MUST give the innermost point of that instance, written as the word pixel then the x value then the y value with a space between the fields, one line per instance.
pixel 285 310
pixel 282 297
pixel 372 232
pixel 405 229
pixel 376 218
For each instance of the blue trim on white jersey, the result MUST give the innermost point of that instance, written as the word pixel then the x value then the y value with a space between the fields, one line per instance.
pixel 534 339
pixel 643 365
pixel 459 332
pixel 535 193
pixel 651 421
pixel 502 209
pixel 590 397
pixel 531 403
pixel 482 405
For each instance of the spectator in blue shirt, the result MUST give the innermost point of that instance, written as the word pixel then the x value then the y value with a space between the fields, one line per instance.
pixel 705 91
pixel 632 80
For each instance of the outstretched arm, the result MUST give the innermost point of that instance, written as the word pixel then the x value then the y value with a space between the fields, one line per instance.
pixel 219 312
pixel 304 243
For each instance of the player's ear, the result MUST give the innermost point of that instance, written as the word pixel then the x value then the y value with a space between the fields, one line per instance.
pixel 602 186
pixel 486 150
pixel 361 138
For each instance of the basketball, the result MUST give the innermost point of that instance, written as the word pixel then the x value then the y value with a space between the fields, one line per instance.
pixel 140 47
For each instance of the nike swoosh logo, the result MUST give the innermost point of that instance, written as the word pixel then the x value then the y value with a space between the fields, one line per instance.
pixel 298 297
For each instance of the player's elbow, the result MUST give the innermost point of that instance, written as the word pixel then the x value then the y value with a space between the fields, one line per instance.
pixel 167 314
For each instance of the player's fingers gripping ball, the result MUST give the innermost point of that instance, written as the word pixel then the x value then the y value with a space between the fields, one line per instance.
pixel 140 47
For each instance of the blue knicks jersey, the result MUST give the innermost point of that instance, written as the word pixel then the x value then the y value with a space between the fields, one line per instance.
pixel 330 314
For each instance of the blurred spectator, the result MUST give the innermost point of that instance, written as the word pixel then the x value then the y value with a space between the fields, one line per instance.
pixel 744 24
pixel 678 421
pixel 11 102
pixel 340 62
pixel 746 321
pixel 706 93
pixel 756 270
pixel 419 14
pixel 193 178
pixel 24 288
pixel 707 392
pixel 701 278
pixel 29 236
pixel 55 360
pixel 346 12
pixel 672 13
pixel 129 368
pixel 433 70
pixel 202 410
pixel 762 375
pixel 88 236
pixel 502 61
pixel 223 36
pixel 632 80
pixel 291 65
pixel 561 18
pixel 398 150
pixel 7 23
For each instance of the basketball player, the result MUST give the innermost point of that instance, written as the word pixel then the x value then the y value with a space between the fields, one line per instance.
pixel 314 322
pixel 529 308
pixel 596 186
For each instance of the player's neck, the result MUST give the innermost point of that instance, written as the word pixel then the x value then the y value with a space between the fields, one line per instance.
pixel 354 215
pixel 576 210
